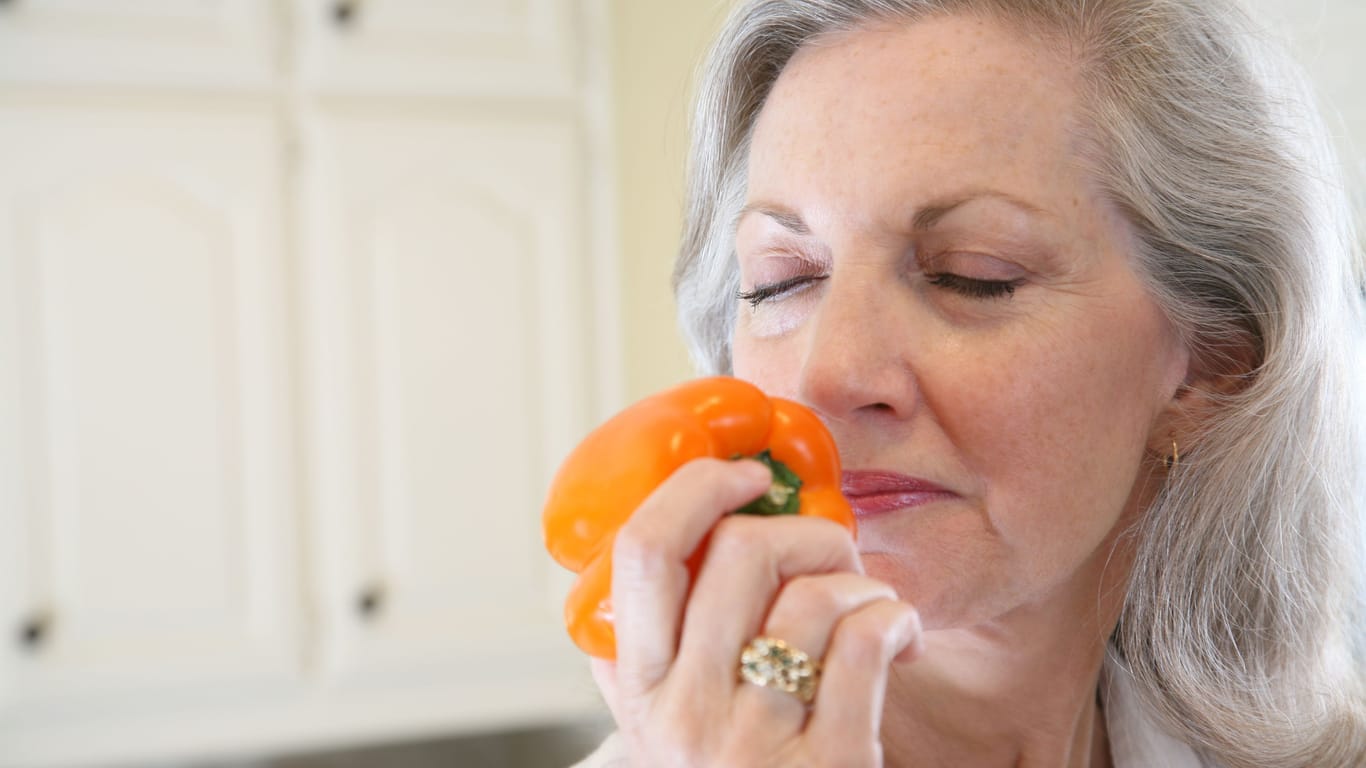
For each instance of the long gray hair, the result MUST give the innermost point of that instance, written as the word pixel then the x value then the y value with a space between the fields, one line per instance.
pixel 1243 622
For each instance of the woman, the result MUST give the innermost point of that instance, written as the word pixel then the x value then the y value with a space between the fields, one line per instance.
pixel 1072 287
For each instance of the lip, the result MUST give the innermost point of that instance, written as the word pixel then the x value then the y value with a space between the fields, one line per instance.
pixel 878 492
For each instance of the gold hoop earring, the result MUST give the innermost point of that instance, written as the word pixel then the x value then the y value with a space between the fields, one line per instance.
pixel 1173 460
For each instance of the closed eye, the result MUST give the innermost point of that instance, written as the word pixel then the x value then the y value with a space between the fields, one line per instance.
pixel 973 287
pixel 761 293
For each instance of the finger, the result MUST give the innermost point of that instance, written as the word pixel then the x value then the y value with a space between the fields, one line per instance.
pixel 805 614
pixel 747 560
pixel 809 607
pixel 588 610
pixel 855 668
pixel 605 675
pixel 650 576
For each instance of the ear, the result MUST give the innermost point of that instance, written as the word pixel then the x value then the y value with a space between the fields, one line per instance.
pixel 1211 377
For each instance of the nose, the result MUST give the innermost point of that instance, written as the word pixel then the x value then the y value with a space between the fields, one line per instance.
pixel 859 351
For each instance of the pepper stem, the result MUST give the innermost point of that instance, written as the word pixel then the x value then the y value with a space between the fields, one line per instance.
pixel 781 497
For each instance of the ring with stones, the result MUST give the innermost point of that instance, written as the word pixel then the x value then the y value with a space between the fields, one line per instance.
pixel 771 663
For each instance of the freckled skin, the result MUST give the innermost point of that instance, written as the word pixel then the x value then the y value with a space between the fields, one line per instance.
pixel 1043 409
pixel 1036 408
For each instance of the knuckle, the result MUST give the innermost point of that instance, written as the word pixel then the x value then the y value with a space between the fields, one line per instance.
pixel 637 549
pixel 737 536
pixel 830 538
pixel 862 638
pixel 839 539
pixel 808 595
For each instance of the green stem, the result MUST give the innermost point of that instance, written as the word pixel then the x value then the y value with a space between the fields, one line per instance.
pixel 781 498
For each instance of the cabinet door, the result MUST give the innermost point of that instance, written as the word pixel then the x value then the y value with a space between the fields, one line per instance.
pixel 146 512
pixel 451 370
pixel 222 43
pixel 487 48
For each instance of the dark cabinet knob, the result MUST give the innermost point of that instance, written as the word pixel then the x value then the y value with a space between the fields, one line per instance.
pixel 344 12
pixel 370 602
pixel 36 629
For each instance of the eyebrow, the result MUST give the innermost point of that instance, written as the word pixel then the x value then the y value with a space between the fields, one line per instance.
pixel 931 215
pixel 787 219
pixel 925 218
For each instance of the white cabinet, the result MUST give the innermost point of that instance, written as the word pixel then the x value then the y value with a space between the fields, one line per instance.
pixel 148 508
pixel 149 463
pixel 287 357
pixel 179 43
pixel 446 269
pixel 444 263
pixel 483 48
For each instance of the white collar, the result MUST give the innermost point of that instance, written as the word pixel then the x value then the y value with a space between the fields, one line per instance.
pixel 1135 740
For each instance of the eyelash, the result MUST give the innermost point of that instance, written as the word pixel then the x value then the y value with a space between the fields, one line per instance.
pixel 974 288
pixel 966 286
pixel 761 293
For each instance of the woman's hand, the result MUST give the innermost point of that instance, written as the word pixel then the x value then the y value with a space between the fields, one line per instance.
pixel 675 690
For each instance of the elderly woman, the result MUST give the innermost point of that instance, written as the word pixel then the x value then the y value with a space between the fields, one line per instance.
pixel 1072 286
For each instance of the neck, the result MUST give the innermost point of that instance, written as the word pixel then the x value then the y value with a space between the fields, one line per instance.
pixel 984 700
pixel 1018 691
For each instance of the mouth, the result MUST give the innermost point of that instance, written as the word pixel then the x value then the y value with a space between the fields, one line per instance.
pixel 878 492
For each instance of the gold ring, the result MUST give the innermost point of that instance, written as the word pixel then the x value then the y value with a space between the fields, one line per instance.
pixel 771 663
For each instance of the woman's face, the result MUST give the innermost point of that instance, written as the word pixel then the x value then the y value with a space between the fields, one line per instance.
pixel 938 278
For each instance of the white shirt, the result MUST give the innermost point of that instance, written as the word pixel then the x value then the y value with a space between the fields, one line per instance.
pixel 1135 740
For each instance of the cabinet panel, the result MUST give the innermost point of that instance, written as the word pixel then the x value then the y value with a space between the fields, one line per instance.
pixel 142 326
pixel 139 42
pixel 156 336
pixel 15 602
pixel 448 314
pixel 493 48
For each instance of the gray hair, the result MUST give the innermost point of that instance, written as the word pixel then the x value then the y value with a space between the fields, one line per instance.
pixel 1246 597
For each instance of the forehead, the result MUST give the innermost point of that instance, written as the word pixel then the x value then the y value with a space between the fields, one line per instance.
pixel 941 102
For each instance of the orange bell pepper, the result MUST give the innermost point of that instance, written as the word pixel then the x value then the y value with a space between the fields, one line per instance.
pixel 622 462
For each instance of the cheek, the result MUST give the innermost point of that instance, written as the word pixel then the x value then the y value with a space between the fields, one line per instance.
pixel 770 364
pixel 1055 427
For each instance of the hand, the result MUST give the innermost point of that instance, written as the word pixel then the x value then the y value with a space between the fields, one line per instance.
pixel 674 689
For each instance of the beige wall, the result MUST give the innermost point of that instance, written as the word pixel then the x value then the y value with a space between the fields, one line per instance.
pixel 656 45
